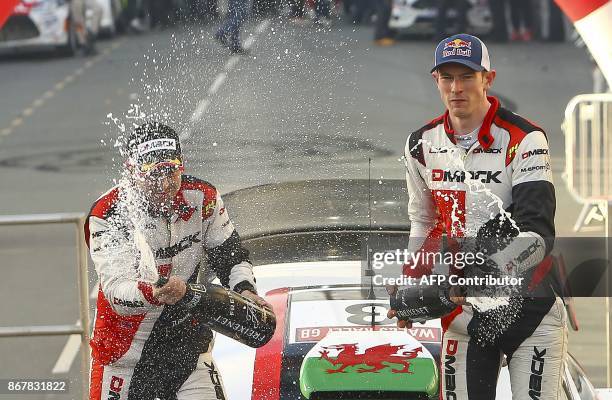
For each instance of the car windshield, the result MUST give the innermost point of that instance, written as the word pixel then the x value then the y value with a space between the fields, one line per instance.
pixel 322 245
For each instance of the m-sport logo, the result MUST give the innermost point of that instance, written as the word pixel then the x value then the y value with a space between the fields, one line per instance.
pixel 440 175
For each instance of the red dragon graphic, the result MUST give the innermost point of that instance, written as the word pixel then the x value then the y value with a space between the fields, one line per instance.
pixel 373 357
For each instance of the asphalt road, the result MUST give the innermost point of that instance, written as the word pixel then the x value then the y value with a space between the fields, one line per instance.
pixel 308 103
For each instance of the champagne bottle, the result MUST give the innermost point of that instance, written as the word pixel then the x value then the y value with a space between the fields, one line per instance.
pixel 230 313
pixel 419 303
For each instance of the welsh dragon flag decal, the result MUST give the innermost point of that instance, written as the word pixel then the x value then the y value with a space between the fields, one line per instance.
pixel 368 362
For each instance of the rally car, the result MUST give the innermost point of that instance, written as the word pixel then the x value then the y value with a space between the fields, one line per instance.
pixel 56 24
pixel 333 339
pixel 419 16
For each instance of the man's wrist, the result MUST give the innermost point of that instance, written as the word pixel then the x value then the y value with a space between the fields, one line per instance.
pixel 244 285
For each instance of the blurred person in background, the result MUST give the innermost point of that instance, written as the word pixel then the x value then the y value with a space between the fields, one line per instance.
pixel 359 11
pixel 461 7
pixel 556 28
pixel 499 31
pixel 161 12
pixel 296 10
pixel 132 14
pixel 383 35
pixel 521 15
pixel 202 9
pixel 262 8
pixel 322 9
pixel 228 33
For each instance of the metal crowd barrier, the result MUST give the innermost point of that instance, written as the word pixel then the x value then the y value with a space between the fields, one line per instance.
pixel 588 174
pixel 588 155
pixel 82 327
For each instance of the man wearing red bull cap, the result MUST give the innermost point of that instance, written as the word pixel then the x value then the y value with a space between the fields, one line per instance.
pixel 158 222
pixel 481 171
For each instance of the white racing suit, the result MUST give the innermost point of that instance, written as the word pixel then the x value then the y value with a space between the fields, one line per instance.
pixel 142 349
pixel 467 193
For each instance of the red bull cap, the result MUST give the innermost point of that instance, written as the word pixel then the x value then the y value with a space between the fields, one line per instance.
pixel 463 49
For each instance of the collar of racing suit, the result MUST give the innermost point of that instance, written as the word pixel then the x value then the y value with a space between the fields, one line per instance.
pixel 484 134
pixel 180 206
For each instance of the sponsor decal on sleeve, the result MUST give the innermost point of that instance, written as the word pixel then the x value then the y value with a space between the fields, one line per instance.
pixel 511 153
pixel 545 167
pixel 534 152
pixel 208 208
pixel 128 303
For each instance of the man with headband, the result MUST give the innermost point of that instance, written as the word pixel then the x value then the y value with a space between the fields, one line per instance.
pixel 158 223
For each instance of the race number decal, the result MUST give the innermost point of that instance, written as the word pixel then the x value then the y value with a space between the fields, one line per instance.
pixel 361 314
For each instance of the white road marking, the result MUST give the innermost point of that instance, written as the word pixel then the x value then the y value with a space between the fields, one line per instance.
pixel 73 344
pixel 231 63
pixel 249 42
pixel 217 83
pixel 93 295
pixel 203 105
pixel 37 103
pixel 200 109
pixel 68 354
pixel 262 26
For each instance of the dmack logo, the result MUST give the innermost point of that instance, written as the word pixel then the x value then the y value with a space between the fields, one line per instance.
pixel 440 175
pixel 450 358
pixel 156 144
pixel 537 370
pixel 216 380
pixel 127 303
pixel 114 392
pixel 184 244
pixel 536 152
pixel 488 151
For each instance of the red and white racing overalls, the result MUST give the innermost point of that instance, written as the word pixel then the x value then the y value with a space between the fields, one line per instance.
pixel 463 193
pixel 142 349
